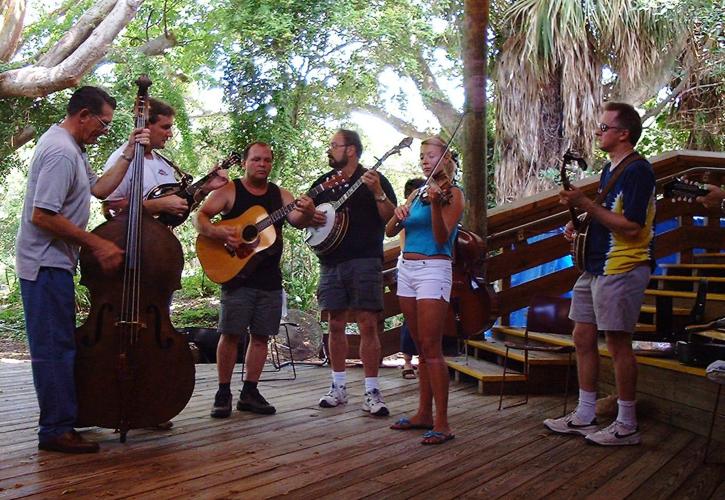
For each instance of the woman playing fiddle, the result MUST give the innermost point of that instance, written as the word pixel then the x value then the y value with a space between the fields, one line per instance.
pixel 430 220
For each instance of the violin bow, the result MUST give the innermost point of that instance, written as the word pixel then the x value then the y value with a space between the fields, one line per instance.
pixel 445 150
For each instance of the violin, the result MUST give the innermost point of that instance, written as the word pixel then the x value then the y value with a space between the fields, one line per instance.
pixel 444 184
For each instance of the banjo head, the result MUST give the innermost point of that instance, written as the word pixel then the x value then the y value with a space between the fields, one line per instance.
pixel 314 236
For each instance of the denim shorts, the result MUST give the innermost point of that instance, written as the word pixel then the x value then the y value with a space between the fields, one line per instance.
pixel 249 308
pixel 611 302
pixel 354 284
pixel 425 279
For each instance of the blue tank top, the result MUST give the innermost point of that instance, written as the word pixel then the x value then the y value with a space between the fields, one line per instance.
pixel 419 232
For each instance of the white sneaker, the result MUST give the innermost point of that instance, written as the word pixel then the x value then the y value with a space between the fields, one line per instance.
pixel 373 402
pixel 616 434
pixel 335 396
pixel 570 425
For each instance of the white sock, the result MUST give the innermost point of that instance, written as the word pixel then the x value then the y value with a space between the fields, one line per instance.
pixel 339 379
pixel 371 383
pixel 627 413
pixel 586 409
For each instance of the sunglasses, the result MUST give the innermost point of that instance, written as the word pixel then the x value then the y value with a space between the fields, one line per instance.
pixel 604 127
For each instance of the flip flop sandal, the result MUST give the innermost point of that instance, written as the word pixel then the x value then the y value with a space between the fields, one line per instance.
pixel 409 374
pixel 404 424
pixel 433 437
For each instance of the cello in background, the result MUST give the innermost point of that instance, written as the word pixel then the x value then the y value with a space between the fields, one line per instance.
pixel 474 305
pixel 133 369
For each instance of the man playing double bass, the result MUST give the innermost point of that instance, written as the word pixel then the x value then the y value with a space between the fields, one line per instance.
pixel 252 300
pixel 52 230
pixel 157 169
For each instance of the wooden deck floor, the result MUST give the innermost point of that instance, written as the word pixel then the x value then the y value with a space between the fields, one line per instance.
pixel 307 452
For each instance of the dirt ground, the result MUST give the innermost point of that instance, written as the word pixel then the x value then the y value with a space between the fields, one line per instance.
pixel 13 349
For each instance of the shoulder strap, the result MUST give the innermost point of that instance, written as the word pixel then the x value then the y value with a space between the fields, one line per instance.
pixel 628 160
pixel 183 176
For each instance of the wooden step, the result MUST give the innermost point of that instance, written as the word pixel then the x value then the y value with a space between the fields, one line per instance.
pixel 487 374
pixel 675 294
pixel 535 358
pixel 566 340
pixel 693 266
pixel 691 279
pixel 677 311
pixel 709 255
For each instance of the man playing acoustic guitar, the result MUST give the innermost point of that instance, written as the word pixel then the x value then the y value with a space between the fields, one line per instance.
pixel 157 169
pixel 618 261
pixel 252 300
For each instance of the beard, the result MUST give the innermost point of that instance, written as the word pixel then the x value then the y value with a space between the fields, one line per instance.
pixel 337 165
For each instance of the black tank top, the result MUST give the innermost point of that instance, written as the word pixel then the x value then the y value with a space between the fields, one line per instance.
pixel 265 273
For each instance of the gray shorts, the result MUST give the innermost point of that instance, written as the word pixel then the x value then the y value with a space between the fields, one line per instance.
pixel 353 284
pixel 257 310
pixel 610 302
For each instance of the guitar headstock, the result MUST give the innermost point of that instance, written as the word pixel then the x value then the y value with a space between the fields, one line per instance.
pixel 234 158
pixel 335 181
pixel 683 190
pixel 568 158
pixel 395 150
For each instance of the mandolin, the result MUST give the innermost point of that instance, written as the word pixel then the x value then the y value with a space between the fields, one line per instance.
pixel 188 191
pixel 680 190
pixel 221 262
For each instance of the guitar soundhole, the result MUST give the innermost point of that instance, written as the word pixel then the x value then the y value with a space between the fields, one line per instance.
pixel 249 234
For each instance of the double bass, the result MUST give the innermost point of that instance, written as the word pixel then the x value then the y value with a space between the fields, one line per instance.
pixel 133 369
pixel 473 308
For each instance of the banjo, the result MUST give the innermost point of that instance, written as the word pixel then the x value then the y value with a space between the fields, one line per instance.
pixel 326 238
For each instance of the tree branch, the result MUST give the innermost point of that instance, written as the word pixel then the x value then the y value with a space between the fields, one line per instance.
pixel 36 81
pixel 399 124
pixel 433 96
pixel 80 32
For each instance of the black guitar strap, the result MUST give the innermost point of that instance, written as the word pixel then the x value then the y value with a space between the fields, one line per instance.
pixel 184 178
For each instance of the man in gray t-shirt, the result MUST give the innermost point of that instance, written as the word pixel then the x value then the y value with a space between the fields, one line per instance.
pixel 52 231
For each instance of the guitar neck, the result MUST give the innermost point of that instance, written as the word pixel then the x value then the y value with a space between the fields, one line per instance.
pixel 337 204
pixel 282 212
pixel 192 189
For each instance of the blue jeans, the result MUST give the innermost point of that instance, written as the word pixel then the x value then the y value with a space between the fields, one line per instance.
pixel 49 306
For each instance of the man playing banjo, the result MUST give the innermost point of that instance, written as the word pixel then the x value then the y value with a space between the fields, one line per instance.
pixel 617 261
pixel 157 169
pixel 351 284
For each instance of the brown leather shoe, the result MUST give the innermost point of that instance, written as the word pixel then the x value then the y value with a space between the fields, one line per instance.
pixel 69 442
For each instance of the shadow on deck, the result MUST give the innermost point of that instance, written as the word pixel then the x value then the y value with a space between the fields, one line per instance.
pixel 307 452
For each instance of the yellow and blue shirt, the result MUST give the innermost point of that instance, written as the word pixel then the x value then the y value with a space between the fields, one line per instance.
pixel 633 196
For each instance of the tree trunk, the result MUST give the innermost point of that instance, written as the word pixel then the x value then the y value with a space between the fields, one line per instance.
pixel 474 82
pixel 11 27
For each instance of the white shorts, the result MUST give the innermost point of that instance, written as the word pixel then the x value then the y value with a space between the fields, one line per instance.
pixel 425 279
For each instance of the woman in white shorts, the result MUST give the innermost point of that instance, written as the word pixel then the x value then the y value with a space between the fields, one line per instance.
pixel 424 283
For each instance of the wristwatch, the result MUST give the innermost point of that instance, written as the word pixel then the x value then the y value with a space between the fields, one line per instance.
pixel 127 158
pixel 382 197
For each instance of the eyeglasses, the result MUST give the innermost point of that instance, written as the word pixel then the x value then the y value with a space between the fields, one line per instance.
pixel 334 145
pixel 106 125
pixel 604 127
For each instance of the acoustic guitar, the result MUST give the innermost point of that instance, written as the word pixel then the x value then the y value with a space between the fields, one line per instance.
pixel 188 191
pixel 221 262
